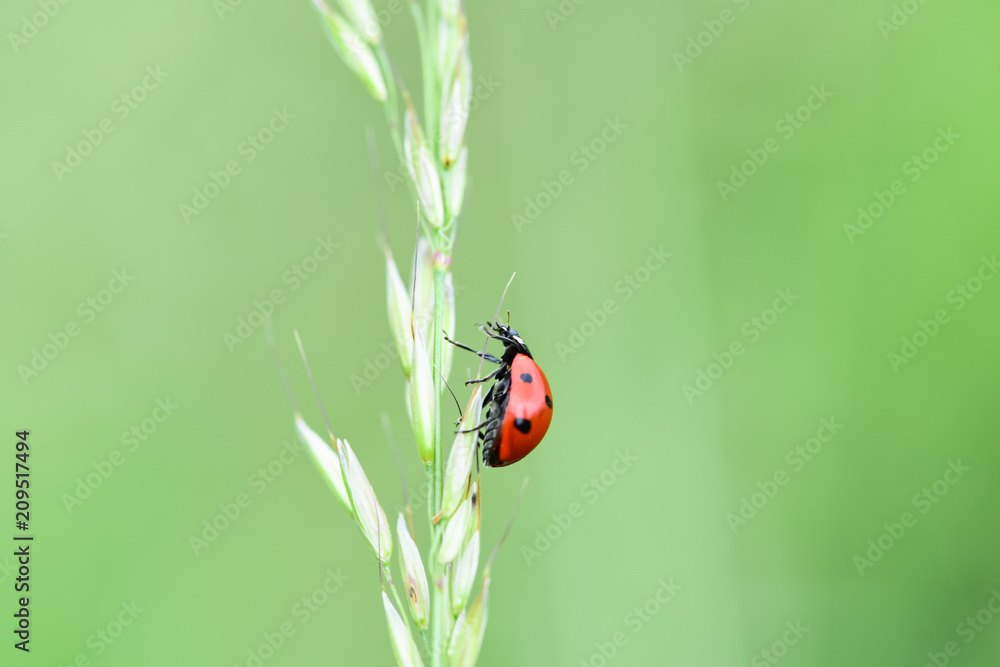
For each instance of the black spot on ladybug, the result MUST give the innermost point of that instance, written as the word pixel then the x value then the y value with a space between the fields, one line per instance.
pixel 548 401
pixel 522 425
pixel 526 377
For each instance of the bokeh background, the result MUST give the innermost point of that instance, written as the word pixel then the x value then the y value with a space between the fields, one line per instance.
pixel 671 516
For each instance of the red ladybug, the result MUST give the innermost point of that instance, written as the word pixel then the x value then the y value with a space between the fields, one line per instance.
pixel 519 404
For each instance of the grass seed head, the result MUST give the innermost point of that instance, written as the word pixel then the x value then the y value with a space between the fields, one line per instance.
pixel 462 456
pixel 414 575
pixel 362 15
pixel 423 171
pixel 326 460
pixel 467 636
pixel 398 300
pixel 464 575
pixel 454 183
pixel 367 509
pixel 423 400
pixel 354 50
pixel 455 533
pixel 455 105
pixel 403 646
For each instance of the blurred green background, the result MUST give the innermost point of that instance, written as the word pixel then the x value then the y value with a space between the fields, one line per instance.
pixel 618 356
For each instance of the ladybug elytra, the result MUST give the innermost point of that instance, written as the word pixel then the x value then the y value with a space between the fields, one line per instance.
pixel 518 405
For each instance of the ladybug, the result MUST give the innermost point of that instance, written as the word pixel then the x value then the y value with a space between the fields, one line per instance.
pixel 519 404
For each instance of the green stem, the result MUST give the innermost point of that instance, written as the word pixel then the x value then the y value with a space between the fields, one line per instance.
pixel 387 574
pixel 438 603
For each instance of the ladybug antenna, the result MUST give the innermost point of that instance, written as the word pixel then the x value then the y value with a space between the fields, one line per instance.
pixel 269 337
pixel 508 318
pixel 305 362
pixel 479 373
pixel 506 531
pixel 379 196
pixel 457 404
pixel 387 427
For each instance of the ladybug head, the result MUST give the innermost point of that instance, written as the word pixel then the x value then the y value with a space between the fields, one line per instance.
pixel 513 345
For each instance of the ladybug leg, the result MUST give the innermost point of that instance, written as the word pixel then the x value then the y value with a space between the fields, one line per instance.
pixel 484 355
pixel 487 378
pixel 477 428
